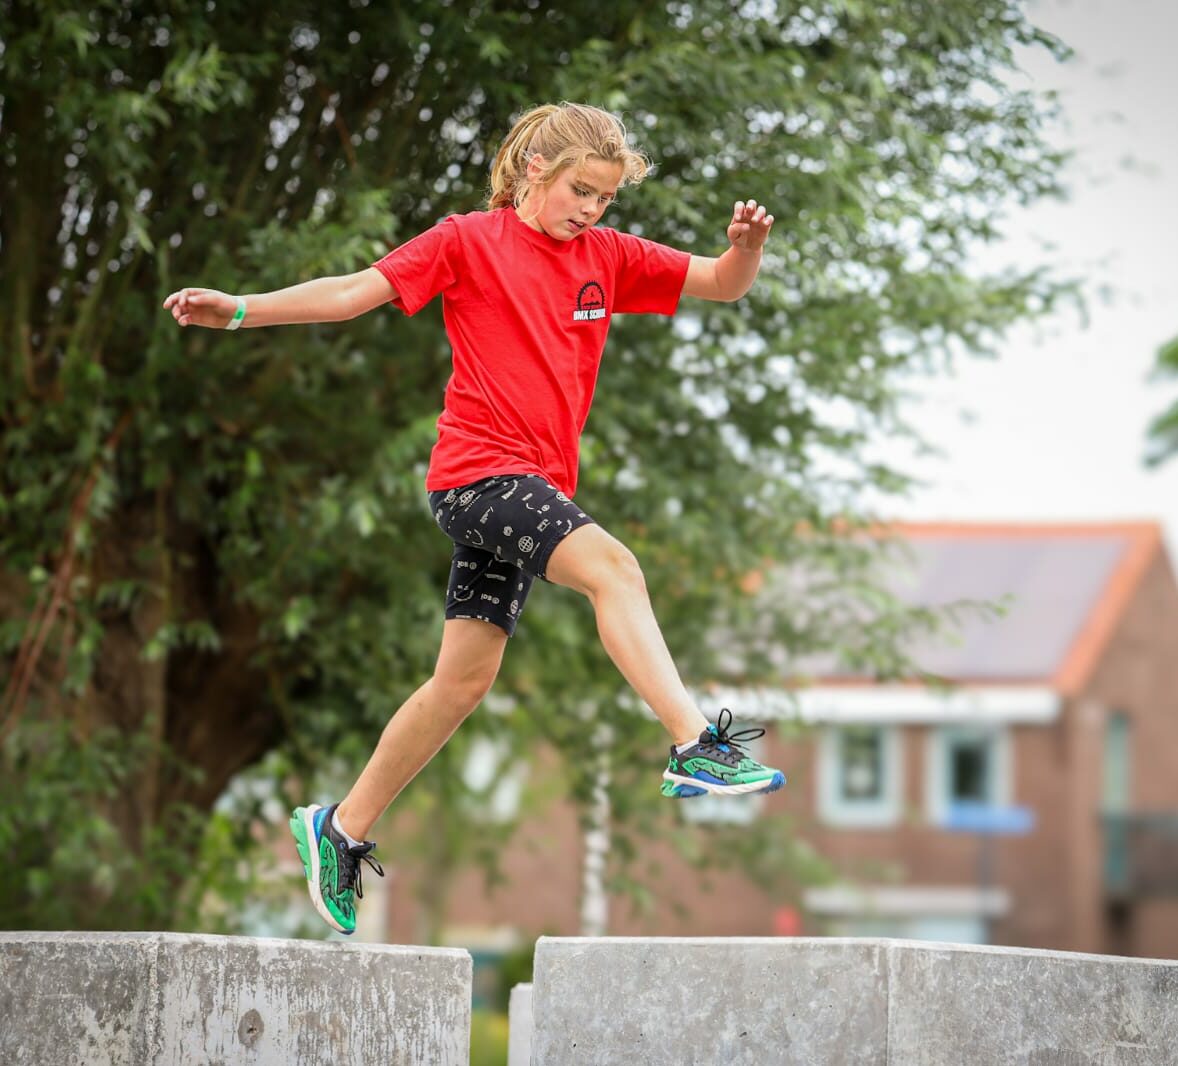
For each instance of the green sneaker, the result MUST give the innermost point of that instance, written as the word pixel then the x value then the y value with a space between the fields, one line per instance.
pixel 718 765
pixel 331 865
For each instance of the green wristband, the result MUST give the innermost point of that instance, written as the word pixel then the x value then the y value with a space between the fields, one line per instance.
pixel 238 315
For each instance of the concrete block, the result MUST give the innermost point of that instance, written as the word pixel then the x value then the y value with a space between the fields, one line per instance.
pixel 519 1026
pixel 702 1001
pixel 164 999
pixel 1040 1008
pixel 846 1002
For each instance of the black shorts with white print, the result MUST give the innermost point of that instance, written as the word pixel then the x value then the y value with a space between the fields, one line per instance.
pixel 504 528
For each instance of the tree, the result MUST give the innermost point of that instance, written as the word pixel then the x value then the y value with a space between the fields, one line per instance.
pixel 1163 430
pixel 215 546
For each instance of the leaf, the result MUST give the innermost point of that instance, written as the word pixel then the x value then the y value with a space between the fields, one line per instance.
pixel 296 619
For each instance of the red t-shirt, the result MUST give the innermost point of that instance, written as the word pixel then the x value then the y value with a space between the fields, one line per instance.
pixel 527 316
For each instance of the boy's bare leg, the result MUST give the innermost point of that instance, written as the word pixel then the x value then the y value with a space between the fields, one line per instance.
pixel 592 561
pixel 467 664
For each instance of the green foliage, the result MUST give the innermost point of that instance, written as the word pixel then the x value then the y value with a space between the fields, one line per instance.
pixel 214 545
pixel 488 1038
pixel 70 864
pixel 516 969
pixel 1163 430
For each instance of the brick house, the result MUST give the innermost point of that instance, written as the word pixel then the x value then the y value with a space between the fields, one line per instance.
pixel 1065 709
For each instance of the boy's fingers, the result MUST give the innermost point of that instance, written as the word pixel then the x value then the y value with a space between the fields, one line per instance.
pixel 747 216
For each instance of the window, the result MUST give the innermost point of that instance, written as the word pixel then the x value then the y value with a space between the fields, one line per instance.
pixel 911 912
pixel 955 930
pixel 861 769
pixel 967 765
pixel 970 777
pixel 1117 788
pixel 859 775
pixel 495 780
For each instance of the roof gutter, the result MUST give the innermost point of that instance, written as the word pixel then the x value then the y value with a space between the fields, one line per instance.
pixel 892 704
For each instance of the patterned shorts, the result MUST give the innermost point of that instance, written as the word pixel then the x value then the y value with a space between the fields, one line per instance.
pixel 504 530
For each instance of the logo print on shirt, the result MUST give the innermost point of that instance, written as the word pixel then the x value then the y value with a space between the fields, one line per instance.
pixel 590 303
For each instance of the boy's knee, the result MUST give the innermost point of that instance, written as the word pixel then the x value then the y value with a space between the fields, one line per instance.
pixel 465 689
pixel 594 562
pixel 620 567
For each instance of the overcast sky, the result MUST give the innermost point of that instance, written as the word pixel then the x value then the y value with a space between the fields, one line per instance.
pixel 1055 428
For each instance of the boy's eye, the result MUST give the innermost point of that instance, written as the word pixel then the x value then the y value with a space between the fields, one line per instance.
pixel 582 191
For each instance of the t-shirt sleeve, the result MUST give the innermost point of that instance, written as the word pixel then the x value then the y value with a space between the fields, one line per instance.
pixel 650 276
pixel 422 268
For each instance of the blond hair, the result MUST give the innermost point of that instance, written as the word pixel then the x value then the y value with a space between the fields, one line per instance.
pixel 564 135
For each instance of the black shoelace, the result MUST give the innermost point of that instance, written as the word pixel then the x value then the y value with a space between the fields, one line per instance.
pixel 349 874
pixel 722 739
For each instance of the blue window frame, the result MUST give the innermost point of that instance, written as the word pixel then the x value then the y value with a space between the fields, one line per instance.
pixel 967 766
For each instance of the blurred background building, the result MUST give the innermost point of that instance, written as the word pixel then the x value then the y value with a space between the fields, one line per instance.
pixel 1025 796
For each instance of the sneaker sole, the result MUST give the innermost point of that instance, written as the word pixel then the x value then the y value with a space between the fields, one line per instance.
pixel 302 828
pixel 686 787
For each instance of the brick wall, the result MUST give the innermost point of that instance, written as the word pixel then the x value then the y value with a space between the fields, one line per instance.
pixel 1054 875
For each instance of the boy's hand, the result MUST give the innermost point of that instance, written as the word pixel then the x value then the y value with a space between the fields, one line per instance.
pixel 201 307
pixel 750 226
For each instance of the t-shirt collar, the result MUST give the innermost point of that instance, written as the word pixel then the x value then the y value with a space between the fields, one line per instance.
pixel 537 237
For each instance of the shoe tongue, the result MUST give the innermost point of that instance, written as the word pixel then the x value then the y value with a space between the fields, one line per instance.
pixel 713 733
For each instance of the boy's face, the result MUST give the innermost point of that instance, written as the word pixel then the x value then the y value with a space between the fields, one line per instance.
pixel 576 199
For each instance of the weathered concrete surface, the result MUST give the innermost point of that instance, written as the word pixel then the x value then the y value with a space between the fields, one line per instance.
pixel 703 1001
pixel 519 1026
pixel 1042 1008
pixel 846 1002
pixel 166 999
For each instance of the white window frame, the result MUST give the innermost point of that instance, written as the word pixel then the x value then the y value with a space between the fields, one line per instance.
pixel 936 764
pixel 833 808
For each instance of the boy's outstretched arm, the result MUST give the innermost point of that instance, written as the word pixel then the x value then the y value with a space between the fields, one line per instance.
pixel 333 299
pixel 731 275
